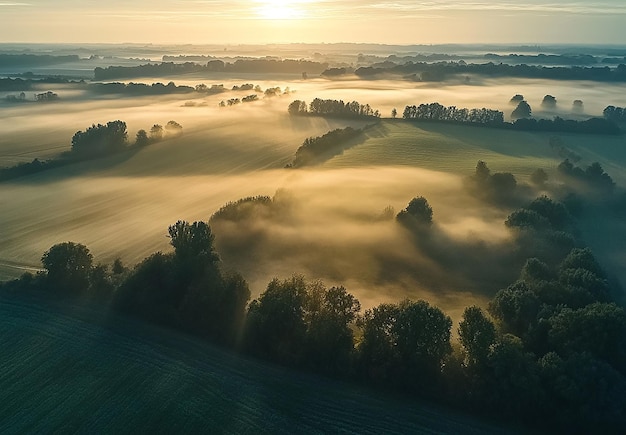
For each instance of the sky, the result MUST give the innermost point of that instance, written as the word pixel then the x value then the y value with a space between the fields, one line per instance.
pixel 313 21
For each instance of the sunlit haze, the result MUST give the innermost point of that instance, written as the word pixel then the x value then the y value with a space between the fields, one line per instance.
pixel 275 21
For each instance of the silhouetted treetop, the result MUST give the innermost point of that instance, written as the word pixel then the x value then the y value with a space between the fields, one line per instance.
pixel 522 110
pixel 100 139
pixel 418 210
pixel 193 240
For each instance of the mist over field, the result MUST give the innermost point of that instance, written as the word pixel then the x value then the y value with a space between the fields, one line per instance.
pixel 121 205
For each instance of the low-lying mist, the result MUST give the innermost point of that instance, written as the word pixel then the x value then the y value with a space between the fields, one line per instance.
pixel 334 227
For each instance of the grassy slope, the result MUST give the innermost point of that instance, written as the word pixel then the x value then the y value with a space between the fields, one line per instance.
pixel 73 369
pixel 456 149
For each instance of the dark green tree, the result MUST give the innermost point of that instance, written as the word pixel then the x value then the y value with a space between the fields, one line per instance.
pixel 477 335
pixel 68 267
pixel 275 327
pixel 417 211
pixel 142 138
pixel 522 110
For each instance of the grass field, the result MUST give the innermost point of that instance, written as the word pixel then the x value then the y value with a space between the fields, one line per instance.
pixel 122 206
pixel 75 369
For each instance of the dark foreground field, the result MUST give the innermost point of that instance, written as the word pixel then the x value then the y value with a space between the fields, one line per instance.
pixel 76 370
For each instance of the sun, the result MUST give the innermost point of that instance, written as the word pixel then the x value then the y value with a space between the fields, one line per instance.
pixel 279 10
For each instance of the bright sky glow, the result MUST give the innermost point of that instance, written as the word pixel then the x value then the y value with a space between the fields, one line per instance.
pixel 280 10
pixel 266 21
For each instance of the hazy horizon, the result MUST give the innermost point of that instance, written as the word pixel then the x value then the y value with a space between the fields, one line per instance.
pixel 314 21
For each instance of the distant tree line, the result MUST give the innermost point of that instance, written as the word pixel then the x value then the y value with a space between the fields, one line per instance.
pixel 436 112
pixel 422 71
pixel 25 60
pixel 18 84
pixel 537 59
pixel 240 65
pixel 313 148
pixel 134 89
pixel 140 88
pixel 97 141
pixel 544 59
pixel 332 108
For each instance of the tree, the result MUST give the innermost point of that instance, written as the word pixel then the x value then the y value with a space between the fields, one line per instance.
pixel 548 102
pixel 522 110
pixel 68 267
pixel 142 138
pixel 516 99
pixel 394 113
pixel 482 173
pixel 173 128
pixel 418 211
pixel 405 344
pixel 186 289
pixel 599 329
pixel 477 335
pixel 578 106
pixel 156 132
pixel 193 240
pixel 275 327
pixel 582 258
pixel 514 378
pixel 515 307
pixel 329 315
pixel 100 139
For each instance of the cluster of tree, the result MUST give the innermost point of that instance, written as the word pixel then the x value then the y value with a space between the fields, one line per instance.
pixel 334 72
pixel 543 59
pixel 499 187
pixel 240 66
pixel 495 118
pixel 186 289
pixel 593 178
pixel 140 88
pixel 332 108
pixel 268 93
pixel 522 110
pixel 314 148
pixel 559 147
pixel 99 140
pixel 615 114
pixel 438 112
pixel 418 212
pixel 558 124
pixel 548 102
pixel 423 71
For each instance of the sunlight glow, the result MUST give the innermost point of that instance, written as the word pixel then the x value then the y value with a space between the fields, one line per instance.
pixel 280 10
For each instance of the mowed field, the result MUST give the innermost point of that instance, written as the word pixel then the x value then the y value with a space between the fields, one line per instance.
pixel 75 369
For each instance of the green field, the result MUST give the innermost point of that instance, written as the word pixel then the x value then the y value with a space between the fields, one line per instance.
pixel 74 369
